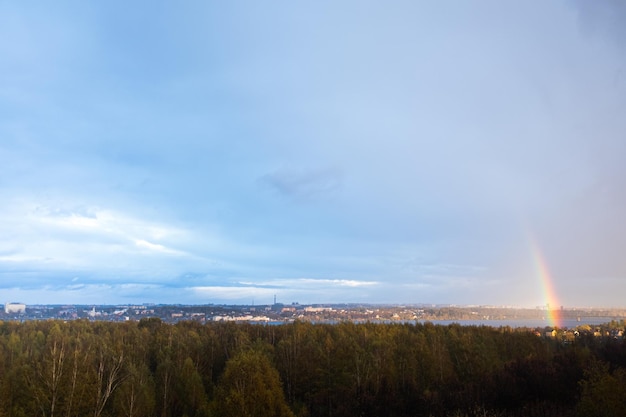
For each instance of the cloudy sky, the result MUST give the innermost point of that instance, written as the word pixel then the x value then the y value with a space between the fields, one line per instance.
pixel 353 151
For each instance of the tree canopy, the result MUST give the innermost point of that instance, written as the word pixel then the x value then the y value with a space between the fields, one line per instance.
pixel 149 368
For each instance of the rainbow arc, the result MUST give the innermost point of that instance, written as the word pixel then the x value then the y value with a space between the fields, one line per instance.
pixel 553 312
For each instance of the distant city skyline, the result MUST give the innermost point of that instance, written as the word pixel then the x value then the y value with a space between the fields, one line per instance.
pixel 209 152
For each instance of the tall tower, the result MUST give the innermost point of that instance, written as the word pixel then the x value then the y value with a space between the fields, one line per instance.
pixel 274 299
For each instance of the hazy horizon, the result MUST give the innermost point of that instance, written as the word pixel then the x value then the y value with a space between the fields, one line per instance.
pixel 467 153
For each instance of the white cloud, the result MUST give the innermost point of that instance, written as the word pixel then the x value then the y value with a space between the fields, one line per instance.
pixel 58 236
pixel 155 247
pixel 305 283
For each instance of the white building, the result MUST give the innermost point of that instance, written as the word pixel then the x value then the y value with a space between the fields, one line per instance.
pixel 317 309
pixel 14 308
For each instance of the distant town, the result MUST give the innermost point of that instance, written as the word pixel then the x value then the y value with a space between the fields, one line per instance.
pixel 319 313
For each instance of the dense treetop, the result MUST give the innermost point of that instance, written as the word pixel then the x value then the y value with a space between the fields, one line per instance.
pixel 149 368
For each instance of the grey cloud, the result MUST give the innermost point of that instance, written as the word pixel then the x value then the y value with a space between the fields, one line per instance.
pixel 304 184
pixel 603 17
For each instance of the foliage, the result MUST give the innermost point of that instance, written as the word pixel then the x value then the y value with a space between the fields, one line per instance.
pixel 250 387
pixel 603 392
pixel 150 368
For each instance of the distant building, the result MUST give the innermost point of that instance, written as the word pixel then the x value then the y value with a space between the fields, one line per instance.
pixel 19 308
pixel 317 309
pixel 92 313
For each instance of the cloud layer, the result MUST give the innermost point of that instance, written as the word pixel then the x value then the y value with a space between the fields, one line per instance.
pixel 210 153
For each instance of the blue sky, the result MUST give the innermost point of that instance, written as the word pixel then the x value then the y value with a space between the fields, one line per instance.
pixel 227 152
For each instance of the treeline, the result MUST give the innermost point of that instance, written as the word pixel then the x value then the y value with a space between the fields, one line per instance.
pixel 149 368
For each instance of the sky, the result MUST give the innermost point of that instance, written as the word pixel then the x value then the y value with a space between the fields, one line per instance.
pixel 444 152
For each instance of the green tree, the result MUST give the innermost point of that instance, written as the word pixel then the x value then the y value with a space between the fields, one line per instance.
pixel 109 371
pixel 46 380
pixel 135 396
pixel 191 396
pixel 250 387
pixel 603 392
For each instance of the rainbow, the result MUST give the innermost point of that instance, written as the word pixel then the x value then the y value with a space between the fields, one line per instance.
pixel 549 292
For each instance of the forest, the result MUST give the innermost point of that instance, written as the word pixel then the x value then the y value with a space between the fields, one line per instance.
pixel 150 368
